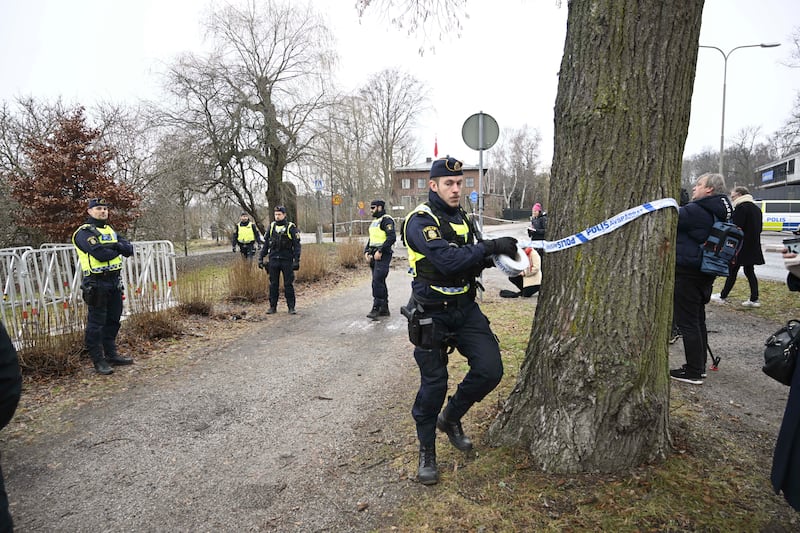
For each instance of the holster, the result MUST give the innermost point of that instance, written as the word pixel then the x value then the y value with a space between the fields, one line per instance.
pixel 420 326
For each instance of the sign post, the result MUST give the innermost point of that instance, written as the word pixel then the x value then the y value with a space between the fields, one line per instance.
pixel 480 132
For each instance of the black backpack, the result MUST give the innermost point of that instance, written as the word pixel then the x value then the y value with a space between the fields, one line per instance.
pixel 721 248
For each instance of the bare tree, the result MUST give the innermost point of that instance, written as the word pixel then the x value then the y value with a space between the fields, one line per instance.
pixel 255 97
pixel 516 165
pixel 394 99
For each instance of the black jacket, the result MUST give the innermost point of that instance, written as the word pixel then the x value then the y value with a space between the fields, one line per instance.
pixel 694 224
pixel 786 460
pixel 749 218
pixel 10 378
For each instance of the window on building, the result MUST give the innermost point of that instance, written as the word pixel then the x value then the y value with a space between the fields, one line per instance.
pixel 405 183
pixel 470 182
pixel 421 183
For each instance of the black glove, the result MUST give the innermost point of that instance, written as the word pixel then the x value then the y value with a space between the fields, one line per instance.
pixel 501 246
pixel 296 264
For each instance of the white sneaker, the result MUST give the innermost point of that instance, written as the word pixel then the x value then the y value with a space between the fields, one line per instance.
pixel 748 303
pixel 717 297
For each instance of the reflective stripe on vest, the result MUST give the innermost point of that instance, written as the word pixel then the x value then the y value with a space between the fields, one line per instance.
pixel 414 257
pixel 89 264
pixel 245 234
pixel 376 234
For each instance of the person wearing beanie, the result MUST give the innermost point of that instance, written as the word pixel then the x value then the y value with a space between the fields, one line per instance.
pixel 281 255
pixel 100 251
pixel 538 223
pixel 444 260
pixel 246 235
pixel 378 252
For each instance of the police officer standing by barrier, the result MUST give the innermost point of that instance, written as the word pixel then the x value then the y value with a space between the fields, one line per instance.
pixel 246 235
pixel 445 260
pixel 100 251
pixel 379 254
pixel 281 254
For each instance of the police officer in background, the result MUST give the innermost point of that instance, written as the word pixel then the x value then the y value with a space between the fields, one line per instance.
pixel 281 254
pixel 10 391
pixel 100 251
pixel 246 235
pixel 378 252
pixel 445 260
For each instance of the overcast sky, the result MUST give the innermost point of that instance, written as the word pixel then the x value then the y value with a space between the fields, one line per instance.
pixel 504 64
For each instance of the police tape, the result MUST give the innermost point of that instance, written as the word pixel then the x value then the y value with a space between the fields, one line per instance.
pixel 603 228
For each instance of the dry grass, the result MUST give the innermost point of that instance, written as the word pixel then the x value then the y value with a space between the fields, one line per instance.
pixel 247 282
pixel 152 325
pixel 315 263
pixel 350 253
pixel 715 480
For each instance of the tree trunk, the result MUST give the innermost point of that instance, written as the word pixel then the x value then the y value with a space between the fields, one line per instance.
pixel 593 392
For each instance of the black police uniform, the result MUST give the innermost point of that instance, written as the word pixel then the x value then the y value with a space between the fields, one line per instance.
pixel 383 229
pixel 10 390
pixel 282 247
pixel 102 290
pixel 451 265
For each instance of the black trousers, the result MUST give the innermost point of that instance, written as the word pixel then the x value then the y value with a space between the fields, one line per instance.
pixel 750 274
pixel 692 293
pixel 102 322
pixel 474 339
pixel 380 271
pixel 276 268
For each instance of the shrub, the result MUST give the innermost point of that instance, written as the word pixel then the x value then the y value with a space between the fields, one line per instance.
pixel 350 253
pixel 313 263
pixel 195 293
pixel 152 325
pixel 43 353
pixel 247 282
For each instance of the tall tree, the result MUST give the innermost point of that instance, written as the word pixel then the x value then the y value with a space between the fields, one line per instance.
pixel 593 392
pixel 254 98
pixel 394 100
pixel 66 169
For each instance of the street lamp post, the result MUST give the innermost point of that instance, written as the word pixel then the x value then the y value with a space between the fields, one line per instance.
pixel 724 86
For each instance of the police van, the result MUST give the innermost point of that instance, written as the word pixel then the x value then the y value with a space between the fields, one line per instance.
pixel 780 215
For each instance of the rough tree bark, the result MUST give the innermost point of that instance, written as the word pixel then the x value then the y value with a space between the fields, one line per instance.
pixel 593 392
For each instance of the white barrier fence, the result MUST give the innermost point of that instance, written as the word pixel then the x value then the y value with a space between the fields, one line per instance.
pixel 42 287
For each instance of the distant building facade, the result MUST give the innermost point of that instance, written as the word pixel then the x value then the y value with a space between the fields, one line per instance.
pixel 779 180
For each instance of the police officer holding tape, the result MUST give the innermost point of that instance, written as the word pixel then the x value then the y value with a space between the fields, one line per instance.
pixel 444 262
pixel 100 251
pixel 378 252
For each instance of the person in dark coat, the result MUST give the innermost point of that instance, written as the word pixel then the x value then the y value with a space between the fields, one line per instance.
pixel 785 474
pixel 692 286
pixel 10 390
pixel 748 217
pixel 536 231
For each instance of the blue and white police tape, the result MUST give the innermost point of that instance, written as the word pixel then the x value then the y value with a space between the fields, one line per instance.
pixel 603 228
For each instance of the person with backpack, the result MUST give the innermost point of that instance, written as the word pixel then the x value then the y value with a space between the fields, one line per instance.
pixel 281 255
pixel 747 216
pixel 693 287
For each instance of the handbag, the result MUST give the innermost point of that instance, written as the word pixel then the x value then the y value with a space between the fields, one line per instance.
pixel 780 354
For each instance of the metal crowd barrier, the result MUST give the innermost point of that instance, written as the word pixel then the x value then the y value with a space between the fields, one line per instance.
pixel 42 287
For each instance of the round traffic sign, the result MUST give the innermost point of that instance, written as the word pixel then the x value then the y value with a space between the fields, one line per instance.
pixel 473 196
pixel 471 131
pixel 337 199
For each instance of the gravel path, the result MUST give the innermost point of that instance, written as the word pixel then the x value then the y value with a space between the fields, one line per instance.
pixel 270 433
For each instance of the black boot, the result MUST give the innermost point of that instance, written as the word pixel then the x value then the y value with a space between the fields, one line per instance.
pixel 116 359
pixel 428 473
pixel 374 313
pixel 384 311
pixel 454 431
pixel 100 363
pixel 272 311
